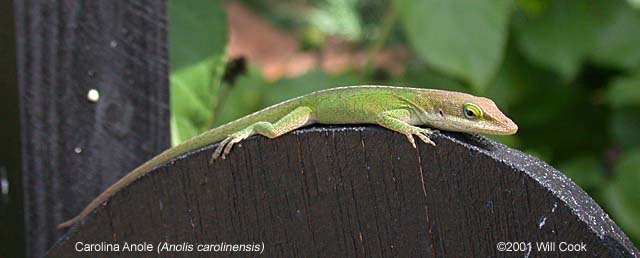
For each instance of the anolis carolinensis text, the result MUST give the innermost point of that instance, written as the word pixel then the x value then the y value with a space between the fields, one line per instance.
pixel 396 108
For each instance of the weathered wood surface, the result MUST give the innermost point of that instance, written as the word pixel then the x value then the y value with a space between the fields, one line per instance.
pixel 11 220
pixel 354 192
pixel 74 148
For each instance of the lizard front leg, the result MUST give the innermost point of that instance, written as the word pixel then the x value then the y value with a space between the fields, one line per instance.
pixel 297 118
pixel 397 120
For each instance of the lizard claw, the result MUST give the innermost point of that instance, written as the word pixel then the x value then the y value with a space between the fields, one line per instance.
pixel 411 140
pixel 225 146
pixel 217 153
pixel 230 144
pixel 425 139
pixel 428 131
pixel 424 133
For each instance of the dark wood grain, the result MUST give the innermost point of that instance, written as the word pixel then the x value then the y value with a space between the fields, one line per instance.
pixel 74 148
pixel 11 215
pixel 355 192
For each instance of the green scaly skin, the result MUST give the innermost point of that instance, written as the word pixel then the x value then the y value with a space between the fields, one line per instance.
pixel 396 108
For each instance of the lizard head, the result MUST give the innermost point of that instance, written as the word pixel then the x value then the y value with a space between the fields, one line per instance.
pixel 467 113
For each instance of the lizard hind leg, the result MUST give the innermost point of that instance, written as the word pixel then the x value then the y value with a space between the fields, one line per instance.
pixel 297 118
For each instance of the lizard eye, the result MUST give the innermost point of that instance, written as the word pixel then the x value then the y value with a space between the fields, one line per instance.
pixel 471 111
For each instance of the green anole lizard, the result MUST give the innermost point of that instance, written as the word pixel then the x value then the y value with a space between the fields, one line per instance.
pixel 396 108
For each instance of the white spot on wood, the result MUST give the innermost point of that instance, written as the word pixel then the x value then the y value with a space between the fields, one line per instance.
pixel 113 44
pixel 543 221
pixel 93 95
pixel 77 150
pixel 4 182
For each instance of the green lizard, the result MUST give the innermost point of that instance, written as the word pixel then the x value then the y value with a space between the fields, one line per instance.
pixel 396 108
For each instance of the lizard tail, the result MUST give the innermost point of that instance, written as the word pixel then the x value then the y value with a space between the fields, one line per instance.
pixel 107 193
pixel 268 114
pixel 165 156
pixel 68 223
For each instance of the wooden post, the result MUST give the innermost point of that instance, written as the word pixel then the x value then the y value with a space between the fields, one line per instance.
pixel 11 215
pixel 93 102
pixel 354 192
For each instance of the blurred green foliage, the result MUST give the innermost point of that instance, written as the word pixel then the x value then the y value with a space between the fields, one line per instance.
pixel 568 72
pixel 197 41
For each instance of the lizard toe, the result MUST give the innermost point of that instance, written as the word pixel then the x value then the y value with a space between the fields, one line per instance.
pixel 221 146
pixel 423 136
pixel 227 148
pixel 411 140
pixel 428 131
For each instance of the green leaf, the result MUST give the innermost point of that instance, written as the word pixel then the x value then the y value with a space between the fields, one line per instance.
pixel 181 128
pixel 418 75
pixel 246 96
pixel 512 141
pixel 463 38
pixel 623 95
pixel 197 40
pixel 523 92
pixel 533 7
pixel 513 77
pixel 617 43
pixel 625 125
pixel 586 171
pixel 509 87
pixel 337 17
pixel 309 82
pixel 625 92
pixel 624 193
pixel 561 37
